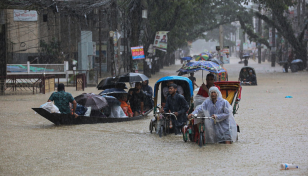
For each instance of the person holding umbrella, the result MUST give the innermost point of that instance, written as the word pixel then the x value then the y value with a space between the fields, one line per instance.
pixel 136 98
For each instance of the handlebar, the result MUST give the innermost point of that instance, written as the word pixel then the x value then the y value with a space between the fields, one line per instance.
pixel 170 114
pixel 195 116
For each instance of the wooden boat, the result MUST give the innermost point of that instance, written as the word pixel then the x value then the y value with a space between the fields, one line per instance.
pixel 67 119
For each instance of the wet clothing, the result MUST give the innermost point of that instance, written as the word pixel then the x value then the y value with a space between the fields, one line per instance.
pixel 148 91
pixel 203 92
pixel 136 99
pixel 177 103
pixel 62 100
pixel 252 78
pixel 225 128
pixel 125 105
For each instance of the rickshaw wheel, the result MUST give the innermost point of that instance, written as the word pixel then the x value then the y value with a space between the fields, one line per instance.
pixel 201 139
pixel 160 132
pixel 151 126
pixel 184 131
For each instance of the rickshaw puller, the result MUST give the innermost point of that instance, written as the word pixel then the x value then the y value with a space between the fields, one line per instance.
pixel 220 110
pixel 177 104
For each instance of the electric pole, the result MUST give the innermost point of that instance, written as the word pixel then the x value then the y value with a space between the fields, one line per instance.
pixel 221 40
pixel 260 34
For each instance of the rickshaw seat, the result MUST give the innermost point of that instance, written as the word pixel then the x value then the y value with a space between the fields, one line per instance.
pixel 228 95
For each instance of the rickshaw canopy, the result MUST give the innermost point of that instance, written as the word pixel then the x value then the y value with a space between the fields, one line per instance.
pixel 175 78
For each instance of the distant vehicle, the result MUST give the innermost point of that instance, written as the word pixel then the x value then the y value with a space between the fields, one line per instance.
pixel 295 65
pixel 243 82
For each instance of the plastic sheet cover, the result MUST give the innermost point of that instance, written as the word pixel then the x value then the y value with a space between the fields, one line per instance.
pixel 117 112
pixel 225 128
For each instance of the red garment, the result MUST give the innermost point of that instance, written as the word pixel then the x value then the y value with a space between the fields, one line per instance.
pixel 125 105
pixel 204 93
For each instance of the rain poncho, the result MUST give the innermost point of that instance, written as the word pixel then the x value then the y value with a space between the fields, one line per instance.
pixel 225 128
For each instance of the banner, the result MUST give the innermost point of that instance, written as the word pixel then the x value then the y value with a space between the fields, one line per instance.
pixel 25 15
pixel 161 40
pixel 137 52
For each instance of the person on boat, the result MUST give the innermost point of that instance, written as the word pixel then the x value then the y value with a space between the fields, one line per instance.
pixel 125 106
pixel 62 100
pixel 136 98
pixel 244 75
pixel 221 111
pixel 252 78
pixel 176 104
pixel 204 89
pixel 193 79
pixel 148 91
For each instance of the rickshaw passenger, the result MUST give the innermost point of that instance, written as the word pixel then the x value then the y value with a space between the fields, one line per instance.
pixel 204 89
pixel 244 74
pixel 176 104
pixel 220 110
pixel 136 99
pixel 125 106
pixel 252 78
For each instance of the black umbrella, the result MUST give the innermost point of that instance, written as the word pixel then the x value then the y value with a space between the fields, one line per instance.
pixel 96 102
pixel 112 101
pixel 110 82
pixel 113 91
pixel 133 77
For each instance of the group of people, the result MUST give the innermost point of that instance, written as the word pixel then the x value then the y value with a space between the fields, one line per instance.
pixel 215 106
pixel 136 102
pixel 247 77
pixel 139 99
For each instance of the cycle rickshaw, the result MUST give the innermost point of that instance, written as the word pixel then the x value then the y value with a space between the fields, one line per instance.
pixel 161 121
pixel 231 91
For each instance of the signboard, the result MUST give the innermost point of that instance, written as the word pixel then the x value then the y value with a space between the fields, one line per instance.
pixel 137 52
pixel 226 50
pixel 25 15
pixel 161 40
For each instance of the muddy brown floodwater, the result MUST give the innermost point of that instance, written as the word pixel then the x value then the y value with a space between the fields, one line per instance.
pixel 273 131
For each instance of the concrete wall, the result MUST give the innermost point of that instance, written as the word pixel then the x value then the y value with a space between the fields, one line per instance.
pixel 22 38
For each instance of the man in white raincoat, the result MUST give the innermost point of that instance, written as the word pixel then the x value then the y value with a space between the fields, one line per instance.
pixel 225 130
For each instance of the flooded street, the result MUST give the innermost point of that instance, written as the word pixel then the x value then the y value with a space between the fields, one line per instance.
pixel 273 131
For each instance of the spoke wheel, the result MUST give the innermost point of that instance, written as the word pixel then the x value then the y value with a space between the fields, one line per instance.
pixel 184 134
pixel 200 140
pixel 151 126
pixel 160 132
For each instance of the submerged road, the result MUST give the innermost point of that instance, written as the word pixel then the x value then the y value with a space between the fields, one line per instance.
pixel 273 131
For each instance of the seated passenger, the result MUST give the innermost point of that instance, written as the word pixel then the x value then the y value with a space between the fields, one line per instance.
pixel 204 89
pixel 125 106
pixel 251 79
pixel 244 74
pixel 148 91
pixel 136 99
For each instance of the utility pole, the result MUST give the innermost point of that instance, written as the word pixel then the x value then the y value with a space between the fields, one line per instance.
pixel 221 40
pixel 273 49
pixel 3 60
pixel 100 42
pixel 260 34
